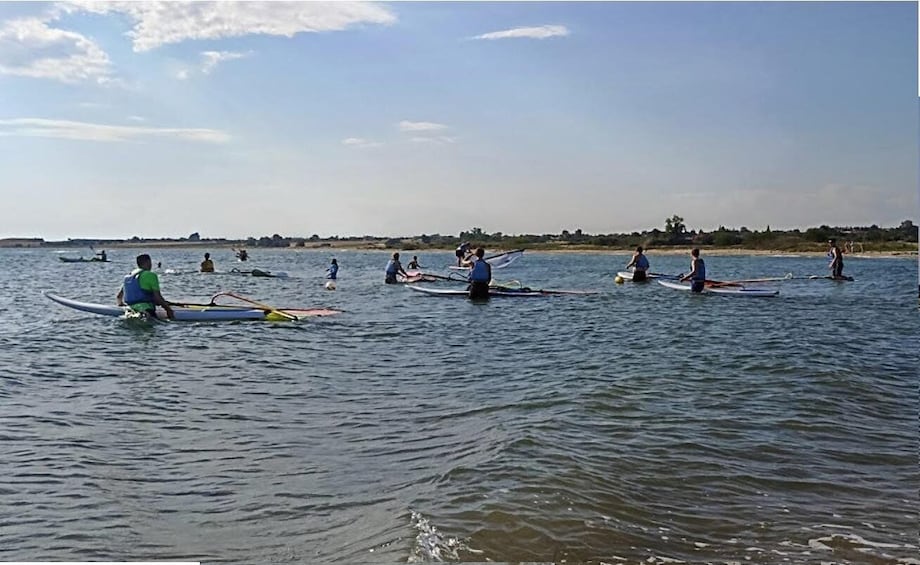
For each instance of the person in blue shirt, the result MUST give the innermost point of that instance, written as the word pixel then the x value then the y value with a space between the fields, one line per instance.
pixel 480 276
pixel 697 275
pixel 394 268
pixel 640 265
pixel 333 270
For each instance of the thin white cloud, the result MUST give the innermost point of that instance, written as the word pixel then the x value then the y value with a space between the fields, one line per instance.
pixel 437 140
pixel 163 23
pixel 29 47
pixel 210 59
pixel 408 126
pixel 66 129
pixel 182 74
pixel 360 142
pixel 137 118
pixel 540 32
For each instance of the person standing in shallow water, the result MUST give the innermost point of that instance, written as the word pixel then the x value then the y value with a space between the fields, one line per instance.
pixel 640 265
pixel 697 274
pixel 394 268
pixel 836 264
pixel 480 276
pixel 333 271
pixel 413 264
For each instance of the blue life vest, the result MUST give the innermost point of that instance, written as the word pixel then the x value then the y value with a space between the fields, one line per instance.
pixel 134 294
pixel 392 268
pixel 700 271
pixel 480 272
pixel 642 263
pixel 333 270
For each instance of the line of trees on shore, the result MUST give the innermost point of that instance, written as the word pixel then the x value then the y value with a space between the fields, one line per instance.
pixel 674 233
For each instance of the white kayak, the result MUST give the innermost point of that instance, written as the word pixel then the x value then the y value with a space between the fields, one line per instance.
pixel 523 292
pixel 499 261
pixel 735 291
pixel 199 312
pixel 628 276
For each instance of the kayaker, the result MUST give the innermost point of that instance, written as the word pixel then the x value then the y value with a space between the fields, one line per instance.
pixel 207 266
pixel 480 276
pixel 102 255
pixel 413 264
pixel 697 275
pixel 462 253
pixel 242 255
pixel 836 255
pixel 141 290
pixel 333 270
pixel 394 268
pixel 640 265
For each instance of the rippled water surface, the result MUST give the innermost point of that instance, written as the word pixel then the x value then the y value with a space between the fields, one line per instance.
pixel 640 424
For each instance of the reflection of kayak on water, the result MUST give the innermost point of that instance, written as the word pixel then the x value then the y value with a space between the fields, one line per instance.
pixel 519 292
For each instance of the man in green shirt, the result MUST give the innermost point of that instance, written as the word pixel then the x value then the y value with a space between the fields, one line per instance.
pixel 141 290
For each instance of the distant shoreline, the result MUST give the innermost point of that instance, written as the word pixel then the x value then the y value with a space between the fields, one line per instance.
pixel 205 246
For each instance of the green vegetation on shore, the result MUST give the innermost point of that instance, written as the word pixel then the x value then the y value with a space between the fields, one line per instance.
pixel 852 239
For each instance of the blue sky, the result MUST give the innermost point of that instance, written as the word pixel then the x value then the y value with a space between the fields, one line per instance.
pixel 237 119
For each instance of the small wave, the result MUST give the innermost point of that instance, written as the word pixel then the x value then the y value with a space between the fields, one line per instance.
pixel 850 546
pixel 432 545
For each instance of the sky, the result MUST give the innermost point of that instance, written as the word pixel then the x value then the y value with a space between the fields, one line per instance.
pixel 236 119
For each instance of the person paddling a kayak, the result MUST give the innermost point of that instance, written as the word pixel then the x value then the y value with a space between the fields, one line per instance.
pixel 394 268
pixel 141 290
pixel 836 255
pixel 697 275
pixel 640 265
pixel 207 266
pixel 480 276
pixel 102 256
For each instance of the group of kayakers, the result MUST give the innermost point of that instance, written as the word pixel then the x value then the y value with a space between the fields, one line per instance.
pixel 697 275
pixel 640 266
pixel 479 278
pixel 141 288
